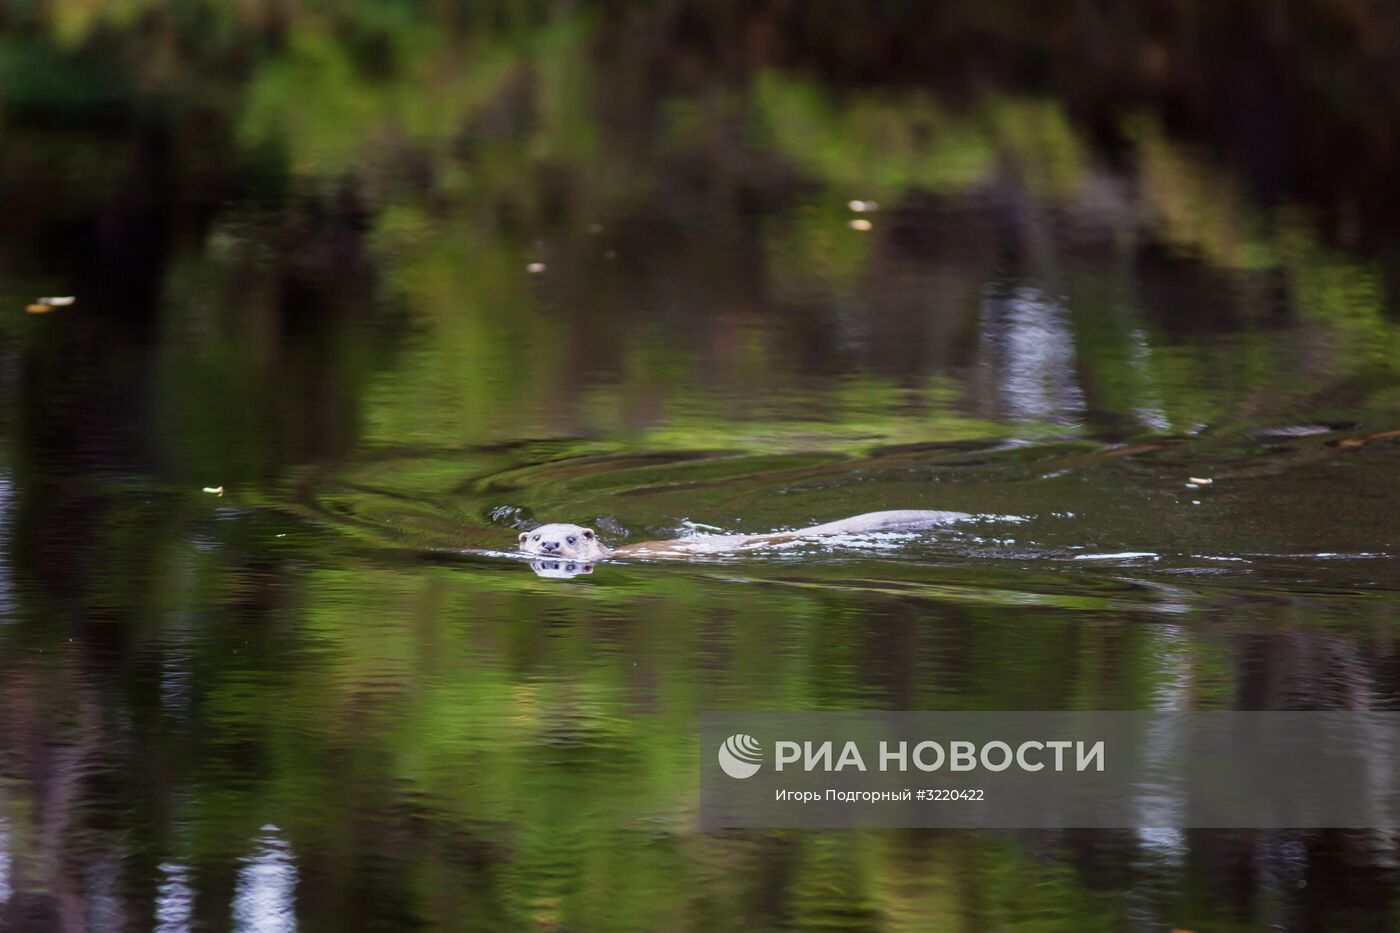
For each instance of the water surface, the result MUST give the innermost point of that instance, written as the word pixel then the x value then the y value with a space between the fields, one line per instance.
pixel 403 285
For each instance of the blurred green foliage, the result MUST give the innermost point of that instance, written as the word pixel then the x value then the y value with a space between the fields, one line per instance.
pixel 343 202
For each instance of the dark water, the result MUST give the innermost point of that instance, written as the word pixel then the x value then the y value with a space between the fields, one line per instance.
pixel 405 282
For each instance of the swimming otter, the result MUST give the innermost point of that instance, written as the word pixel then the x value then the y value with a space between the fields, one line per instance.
pixel 576 543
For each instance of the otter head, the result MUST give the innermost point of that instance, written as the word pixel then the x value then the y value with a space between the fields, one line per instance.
pixel 571 542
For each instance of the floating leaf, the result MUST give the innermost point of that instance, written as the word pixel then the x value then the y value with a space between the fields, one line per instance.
pixel 1352 443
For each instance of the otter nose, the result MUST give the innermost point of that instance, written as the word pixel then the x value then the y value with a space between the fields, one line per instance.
pixel 551 545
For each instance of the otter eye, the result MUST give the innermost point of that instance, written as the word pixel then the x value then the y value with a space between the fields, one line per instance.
pixel 572 539
pixel 535 538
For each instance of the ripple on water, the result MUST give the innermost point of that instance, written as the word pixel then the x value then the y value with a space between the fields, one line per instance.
pixel 1108 506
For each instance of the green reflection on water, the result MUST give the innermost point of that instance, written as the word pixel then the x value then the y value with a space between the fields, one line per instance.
pixel 301 241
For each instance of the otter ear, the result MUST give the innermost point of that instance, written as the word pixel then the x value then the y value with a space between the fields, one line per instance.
pixel 523 536
pixel 588 533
